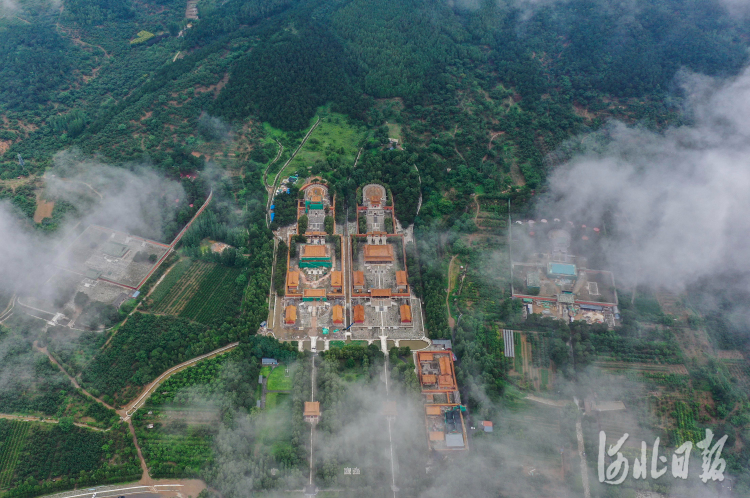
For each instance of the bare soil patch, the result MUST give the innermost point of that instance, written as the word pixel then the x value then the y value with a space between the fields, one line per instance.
pixel 213 88
pixel 43 209
pixel 730 355
pixel 516 175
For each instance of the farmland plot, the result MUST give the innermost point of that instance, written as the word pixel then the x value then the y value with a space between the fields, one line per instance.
pixel 14 435
pixel 215 292
pixel 184 288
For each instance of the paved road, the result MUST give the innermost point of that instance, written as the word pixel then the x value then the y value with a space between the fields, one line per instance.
pixel 8 310
pixel 132 490
pixel 584 467
pixel 265 173
pixel 134 405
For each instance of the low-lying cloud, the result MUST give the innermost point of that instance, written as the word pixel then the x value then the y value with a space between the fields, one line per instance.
pixel 679 198
pixel 132 199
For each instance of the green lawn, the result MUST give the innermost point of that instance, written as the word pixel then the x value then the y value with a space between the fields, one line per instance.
pixel 341 344
pixel 334 141
pixel 275 399
pixel 394 131
pixel 278 380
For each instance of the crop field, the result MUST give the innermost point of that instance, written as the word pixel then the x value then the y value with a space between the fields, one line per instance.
pixel 12 436
pixel 195 290
pixel 616 366
pixel 532 359
pixel 739 370
pixel 215 291
pixel 181 287
pixel 278 380
pixel 166 285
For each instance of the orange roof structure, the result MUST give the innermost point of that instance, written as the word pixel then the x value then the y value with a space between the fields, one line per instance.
pixel 445 365
pixel 314 251
pixel 380 293
pixel 292 279
pixel 312 409
pixel 405 313
pixel 445 380
pixel 432 410
pixel 290 314
pixel 316 198
pixel 429 379
pixel 378 253
pixel 337 314
pixel 437 436
pixel 314 293
pixel 401 278
pixel 359 278
pixel 359 314
pixel 336 278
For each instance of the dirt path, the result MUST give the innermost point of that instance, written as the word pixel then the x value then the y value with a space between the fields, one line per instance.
pixel 145 477
pixel 72 379
pixel 548 402
pixel 419 176
pixel 492 137
pixel 276 179
pixel 28 418
pixel 451 320
pixel 86 184
pixel 265 173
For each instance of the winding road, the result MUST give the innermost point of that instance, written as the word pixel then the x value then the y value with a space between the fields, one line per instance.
pixel 265 173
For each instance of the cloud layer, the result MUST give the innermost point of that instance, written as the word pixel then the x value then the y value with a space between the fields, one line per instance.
pixel 679 198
